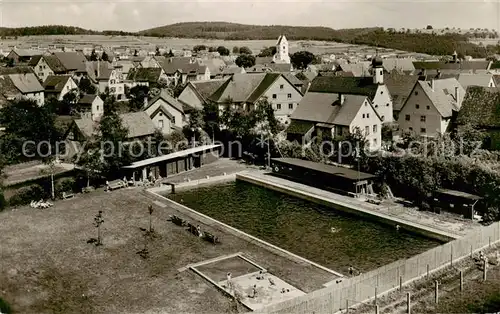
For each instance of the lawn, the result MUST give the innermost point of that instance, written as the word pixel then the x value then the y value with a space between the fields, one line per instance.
pixel 47 266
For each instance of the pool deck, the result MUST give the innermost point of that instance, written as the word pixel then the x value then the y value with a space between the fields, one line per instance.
pixel 419 224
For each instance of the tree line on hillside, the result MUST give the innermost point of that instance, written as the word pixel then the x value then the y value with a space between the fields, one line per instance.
pixel 56 30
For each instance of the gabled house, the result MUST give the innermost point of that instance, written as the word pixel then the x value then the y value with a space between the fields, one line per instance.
pixel 400 87
pixel 372 87
pixel 182 70
pixel 431 105
pixel 147 76
pixel 232 70
pixel 140 127
pixel 73 63
pixel 106 77
pixel 245 90
pixel 127 65
pixel 335 115
pixel 22 55
pixel 484 80
pixel 480 109
pixel 215 66
pixel 402 66
pixel 166 112
pixel 21 86
pixel 152 62
pixel 91 107
pixel 59 85
pixel 196 93
pixel 450 67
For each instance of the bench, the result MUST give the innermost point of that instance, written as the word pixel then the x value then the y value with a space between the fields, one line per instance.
pixel 210 238
pixel 114 185
pixel 88 189
pixel 66 195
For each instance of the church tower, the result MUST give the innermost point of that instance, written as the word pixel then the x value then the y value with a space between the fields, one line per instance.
pixel 281 55
pixel 378 70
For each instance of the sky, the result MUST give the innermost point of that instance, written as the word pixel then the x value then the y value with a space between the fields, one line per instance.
pixel 129 15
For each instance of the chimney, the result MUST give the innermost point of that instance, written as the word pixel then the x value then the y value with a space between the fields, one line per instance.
pixel 457 96
pixel 432 84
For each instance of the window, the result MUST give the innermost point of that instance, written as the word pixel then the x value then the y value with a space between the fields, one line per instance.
pixel 381 92
pixel 339 131
pixel 367 130
pixel 112 81
pixel 407 117
pixel 160 124
pixel 376 106
pixel 374 128
pixel 289 96
pixel 428 107
pixel 422 118
pixel 97 108
pixel 367 115
pixel 67 87
pixel 161 114
pixel 274 96
pixel 422 130
pixel 410 128
pixel 40 68
pixel 382 118
pixel 278 106
pixel 173 120
pixel 290 106
pixel 417 106
pixel 380 72
pixel 282 86
pixel 387 105
pixel 374 142
pixel 416 93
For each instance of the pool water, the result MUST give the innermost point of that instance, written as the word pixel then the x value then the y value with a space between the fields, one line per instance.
pixel 304 228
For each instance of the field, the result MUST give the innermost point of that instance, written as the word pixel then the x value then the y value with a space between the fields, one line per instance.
pixel 316 47
pixel 47 266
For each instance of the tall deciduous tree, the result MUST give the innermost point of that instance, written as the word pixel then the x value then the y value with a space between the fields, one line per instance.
pixel 25 121
pixel 93 55
pixel 302 59
pixel 136 96
pixel 245 50
pixel 236 49
pixel 223 51
pixel 245 61
pixel 104 56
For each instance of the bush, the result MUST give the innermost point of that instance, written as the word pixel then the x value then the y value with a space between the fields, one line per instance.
pixel 5 307
pixel 65 185
pixel 27 194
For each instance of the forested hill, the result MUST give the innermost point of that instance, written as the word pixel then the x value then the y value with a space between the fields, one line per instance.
pixel 54 30
pixel 418 42
pixel 233 31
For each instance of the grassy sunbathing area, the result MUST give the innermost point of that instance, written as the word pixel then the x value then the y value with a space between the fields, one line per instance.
pixel 47 266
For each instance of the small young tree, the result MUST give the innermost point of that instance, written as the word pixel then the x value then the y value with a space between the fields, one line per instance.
pixel 150 210
pixel 98 221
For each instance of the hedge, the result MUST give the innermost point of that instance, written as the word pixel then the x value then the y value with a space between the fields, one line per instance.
pixel 27 194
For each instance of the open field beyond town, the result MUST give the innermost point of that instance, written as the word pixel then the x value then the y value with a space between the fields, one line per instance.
pixel 316 47
pixel 47 266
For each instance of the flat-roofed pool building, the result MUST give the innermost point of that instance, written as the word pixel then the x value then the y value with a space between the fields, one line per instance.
pixel 173 163
pixel 328 177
